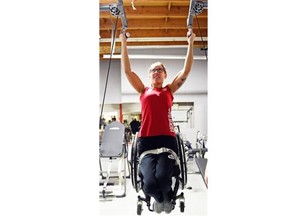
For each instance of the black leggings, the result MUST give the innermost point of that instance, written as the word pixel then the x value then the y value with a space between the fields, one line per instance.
pixel 157 169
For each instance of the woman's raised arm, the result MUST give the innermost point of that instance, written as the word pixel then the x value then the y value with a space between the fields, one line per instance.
pixel 182 75
pixel 132 77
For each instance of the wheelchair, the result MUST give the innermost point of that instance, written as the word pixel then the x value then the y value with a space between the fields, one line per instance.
pixel 180 179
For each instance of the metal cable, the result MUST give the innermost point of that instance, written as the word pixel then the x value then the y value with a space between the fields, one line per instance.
pixel 204 48
pixel 108 71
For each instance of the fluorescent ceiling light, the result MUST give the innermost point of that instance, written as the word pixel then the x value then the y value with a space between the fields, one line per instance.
pixel 135 56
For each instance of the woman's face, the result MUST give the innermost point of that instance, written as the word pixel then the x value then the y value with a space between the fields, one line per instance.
pixel 157 73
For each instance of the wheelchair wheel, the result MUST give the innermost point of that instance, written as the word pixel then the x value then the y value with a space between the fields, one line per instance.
pixel 133 150
pixel 134 167
pixel 183 164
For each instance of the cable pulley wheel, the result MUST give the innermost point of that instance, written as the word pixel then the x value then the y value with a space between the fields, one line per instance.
pixel 114 9
pixel 198 8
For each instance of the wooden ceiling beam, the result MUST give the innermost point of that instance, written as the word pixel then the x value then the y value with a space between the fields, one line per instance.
pixel 107 49
pixel 147 2
pixel 153 24
pixel 155 12
pixel 104 49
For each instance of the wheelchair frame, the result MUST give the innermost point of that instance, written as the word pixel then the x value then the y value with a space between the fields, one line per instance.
pixel 180 180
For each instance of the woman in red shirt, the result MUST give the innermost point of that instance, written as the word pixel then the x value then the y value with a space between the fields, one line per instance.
pixel 157 129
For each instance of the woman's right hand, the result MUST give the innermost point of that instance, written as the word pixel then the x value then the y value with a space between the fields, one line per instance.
pixel 190 36
pixel 122 37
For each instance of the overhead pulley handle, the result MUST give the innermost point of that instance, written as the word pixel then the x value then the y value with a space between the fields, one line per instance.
pixel 123 31
pixel 127 34
pixel 189 33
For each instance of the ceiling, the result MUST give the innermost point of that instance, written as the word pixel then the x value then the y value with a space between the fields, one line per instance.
pixel 151 23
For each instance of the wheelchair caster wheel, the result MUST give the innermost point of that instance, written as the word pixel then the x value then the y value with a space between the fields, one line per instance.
pixel 182 205
pixel 139 207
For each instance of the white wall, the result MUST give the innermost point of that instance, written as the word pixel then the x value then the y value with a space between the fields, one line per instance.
pixel 113 92
pixel 195 84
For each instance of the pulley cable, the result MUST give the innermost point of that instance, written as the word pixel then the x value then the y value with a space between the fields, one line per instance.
pixel 204 48
pixel 108 71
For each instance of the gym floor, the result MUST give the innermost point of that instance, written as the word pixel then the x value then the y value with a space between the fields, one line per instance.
pixel 195 193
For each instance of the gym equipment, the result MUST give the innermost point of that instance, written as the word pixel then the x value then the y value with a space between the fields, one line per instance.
pixel 195 8
pixel 113 146
pixel 200 149
pixel 180 179
pixel 114 143
pixel 198 153
pixel 118 11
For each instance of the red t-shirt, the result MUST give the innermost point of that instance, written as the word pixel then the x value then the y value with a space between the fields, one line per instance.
pixel 156 105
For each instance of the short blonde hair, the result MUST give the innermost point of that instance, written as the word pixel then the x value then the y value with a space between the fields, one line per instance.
pixel 157 63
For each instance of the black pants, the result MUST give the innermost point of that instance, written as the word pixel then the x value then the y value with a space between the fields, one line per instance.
pixel 157 169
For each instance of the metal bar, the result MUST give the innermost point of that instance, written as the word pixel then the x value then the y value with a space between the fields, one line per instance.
pixel 122 15
pixel 104 7
pixel 190 14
